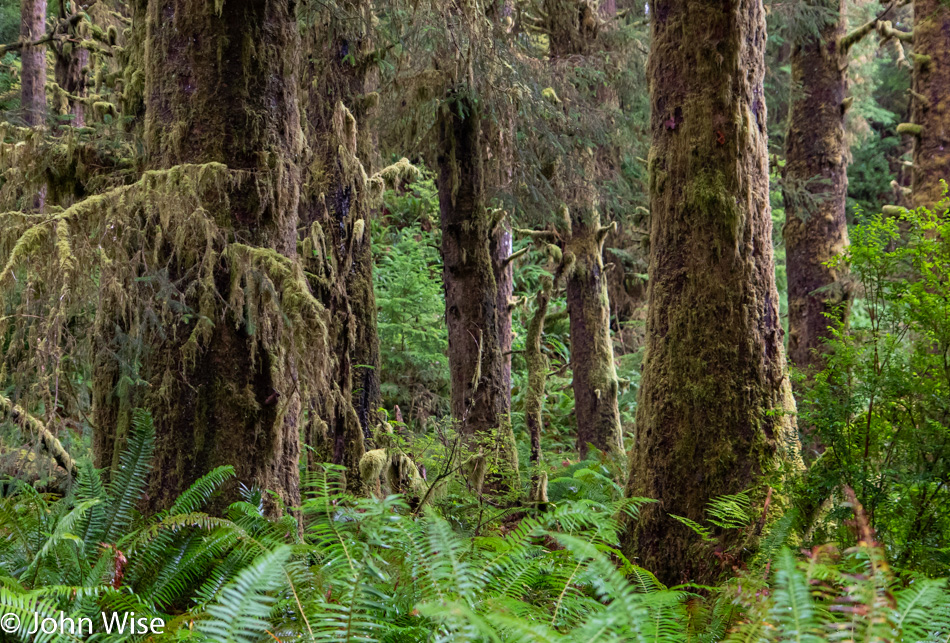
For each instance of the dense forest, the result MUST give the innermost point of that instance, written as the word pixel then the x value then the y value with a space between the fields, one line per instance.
pixel 474 320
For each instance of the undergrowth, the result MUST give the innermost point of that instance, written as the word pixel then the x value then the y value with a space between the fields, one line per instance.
pixel 344 568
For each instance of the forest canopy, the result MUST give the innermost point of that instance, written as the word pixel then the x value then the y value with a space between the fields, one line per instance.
pixel 474 320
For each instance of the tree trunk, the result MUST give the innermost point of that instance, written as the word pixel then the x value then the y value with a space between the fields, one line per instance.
pixel 537 363
pixel 815 190
pixel 33 63
pixel 221 88
pixel 337 211
pixel 479 394
pixel 573 29
pixel 930 110
pixel 70 72
pixel 715 368
pixel 501 244
pixel 592 358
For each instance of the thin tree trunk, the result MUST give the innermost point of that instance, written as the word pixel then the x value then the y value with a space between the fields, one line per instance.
pixel 537 363
pixel 715 367
pixel 501 244
pixel 479 394
pixel 209 99
pixel 930 110
pixel 573 29
pixel 815 188
pixel 33 76
pixel 592 358
pixel 70 72
pixel 33 63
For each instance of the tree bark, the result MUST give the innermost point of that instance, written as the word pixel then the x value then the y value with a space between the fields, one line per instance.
pixel 930 109
pixel 573 29
pixel 592 358
pixel 537 363
pixel 33 63
pixel 501 244
pixel 337 208
pixel 480 402
pixel 70 72
pixel 715 366
pixel 221 87
pixel 815 190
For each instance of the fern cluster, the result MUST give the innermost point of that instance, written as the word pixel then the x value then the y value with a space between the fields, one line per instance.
pixel 344 568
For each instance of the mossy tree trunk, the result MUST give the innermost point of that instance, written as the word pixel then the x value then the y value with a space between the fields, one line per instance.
pixel 930 104
pixel 33 62
pixel 592 357
pixel 221 87
pixel 573 29
pixel 480 398
pixel 537 363
pixel 337 210
pixel 70 67
pixel 714 368
pixel 815 188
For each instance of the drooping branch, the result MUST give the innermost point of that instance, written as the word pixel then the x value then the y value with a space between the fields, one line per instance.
pixel 58 33
pixel 887 31
pixel 515 255
pixel 884 27
pixel 538 235
pixel 33 424
pixel 853 38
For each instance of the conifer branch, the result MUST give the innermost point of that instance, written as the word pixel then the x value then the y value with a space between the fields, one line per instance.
pixel 884 27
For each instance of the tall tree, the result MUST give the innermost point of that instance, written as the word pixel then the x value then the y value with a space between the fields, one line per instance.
pixel 338 199
pixel 816 184
pixel 224 380
pixel 480 394
pixel 33 62
pixel 930 112
pixel 573 29
pixel 714 374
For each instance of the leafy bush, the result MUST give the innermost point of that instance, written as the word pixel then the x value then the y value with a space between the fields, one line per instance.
pixel 882 406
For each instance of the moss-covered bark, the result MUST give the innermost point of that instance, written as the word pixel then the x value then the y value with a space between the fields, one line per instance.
pixel 479 393
pixel 71 69
pixel 815 188
pixel 930 104
pixel 537 364
pixel 336 215
pixel 715 367
pixel 592 358
pixel 573 28
pixel 33 62
pixel 220 87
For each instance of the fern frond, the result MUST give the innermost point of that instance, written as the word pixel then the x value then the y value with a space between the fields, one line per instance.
pixel 128 482
pixel 240 614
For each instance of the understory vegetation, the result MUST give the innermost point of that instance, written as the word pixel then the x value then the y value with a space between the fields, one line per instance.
pixel 345 568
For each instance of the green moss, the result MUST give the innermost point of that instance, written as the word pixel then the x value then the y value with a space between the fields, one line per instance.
pixel 708 196
pixel 911 129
